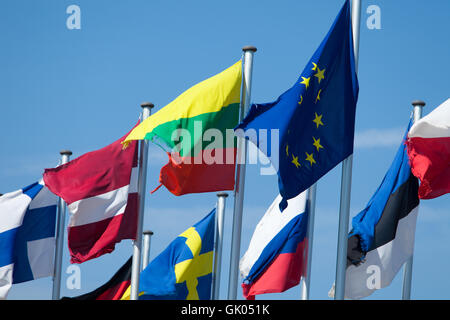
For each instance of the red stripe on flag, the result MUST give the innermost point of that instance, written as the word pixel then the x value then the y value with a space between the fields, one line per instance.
pixel 116 292
pixel 283 273
pixel 430 162
pixel 94 239
pixel 180 177
pixel 94 173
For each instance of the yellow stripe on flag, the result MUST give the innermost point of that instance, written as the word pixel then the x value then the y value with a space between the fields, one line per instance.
pixel 210 95
pixel 126 295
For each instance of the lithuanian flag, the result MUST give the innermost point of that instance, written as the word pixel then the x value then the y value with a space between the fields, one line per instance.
pixel 193 129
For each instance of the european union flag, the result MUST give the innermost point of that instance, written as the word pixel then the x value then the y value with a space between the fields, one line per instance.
pixel 183 271
pixel 316 117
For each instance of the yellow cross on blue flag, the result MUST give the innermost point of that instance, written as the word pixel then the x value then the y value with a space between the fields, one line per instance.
pixel 183 271
pixel 315 117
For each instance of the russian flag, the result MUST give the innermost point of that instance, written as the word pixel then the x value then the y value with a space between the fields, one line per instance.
pixel 276 257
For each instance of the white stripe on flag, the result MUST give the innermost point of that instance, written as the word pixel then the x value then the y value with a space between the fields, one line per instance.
pixel 387 259
pixel 103 206
pixel 6 273
pixel 41 254
pixel 98 208
pixel 44 198
pixel 12 209
pixel 433 125
pixel 268 227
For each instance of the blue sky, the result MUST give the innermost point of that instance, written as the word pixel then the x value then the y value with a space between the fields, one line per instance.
pixel 81 90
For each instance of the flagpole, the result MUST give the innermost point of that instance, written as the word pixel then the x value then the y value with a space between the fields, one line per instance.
pixel 218 243
pixel 417 109
pixel 146 248
pixel 306 283
pixel 57 267
pixel 240 175
pixel 142 177
pixel 346 180
pixel 407 271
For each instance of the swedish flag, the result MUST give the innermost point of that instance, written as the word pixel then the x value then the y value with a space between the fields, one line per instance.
pixel 183 271
pixel 316 117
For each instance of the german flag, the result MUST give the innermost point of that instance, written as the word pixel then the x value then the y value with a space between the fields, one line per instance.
pixel 111 290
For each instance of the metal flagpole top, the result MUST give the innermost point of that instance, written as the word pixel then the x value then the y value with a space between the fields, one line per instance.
pixel 147 105
pixel 418 103
pixel 249 48
pixel 147 234
pixel 222 194
pixel 65 152
pixel 417 109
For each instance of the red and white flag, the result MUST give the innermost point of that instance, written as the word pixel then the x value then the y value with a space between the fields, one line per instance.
pixel 429 152
pixel 100 189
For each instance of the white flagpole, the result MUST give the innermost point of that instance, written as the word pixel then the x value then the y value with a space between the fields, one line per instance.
pixel 60 223
pixel 240 175
pixel 346 180
pixel 407 271
pixel 218 244
pixel 146 249
pixel 142 178
pixel 306 282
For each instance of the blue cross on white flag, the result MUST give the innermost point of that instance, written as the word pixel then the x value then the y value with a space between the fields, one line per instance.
pixel 27 235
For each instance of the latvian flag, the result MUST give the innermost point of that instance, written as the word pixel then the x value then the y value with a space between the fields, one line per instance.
pixel 429 152
pixel 276 257
pixel 382 238
pixel 100 189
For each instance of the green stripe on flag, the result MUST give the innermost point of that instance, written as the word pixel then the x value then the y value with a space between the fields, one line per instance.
pixel 226 118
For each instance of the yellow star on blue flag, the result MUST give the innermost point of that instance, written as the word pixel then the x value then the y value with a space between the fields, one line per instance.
pixel 316 116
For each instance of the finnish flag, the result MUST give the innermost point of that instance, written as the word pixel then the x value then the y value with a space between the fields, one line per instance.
pixel 27 235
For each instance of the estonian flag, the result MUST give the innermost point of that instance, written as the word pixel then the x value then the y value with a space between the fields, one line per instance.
pixel 382 238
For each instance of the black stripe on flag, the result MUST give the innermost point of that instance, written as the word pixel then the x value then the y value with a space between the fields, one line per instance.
pixel 122 275
pixel 398 206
